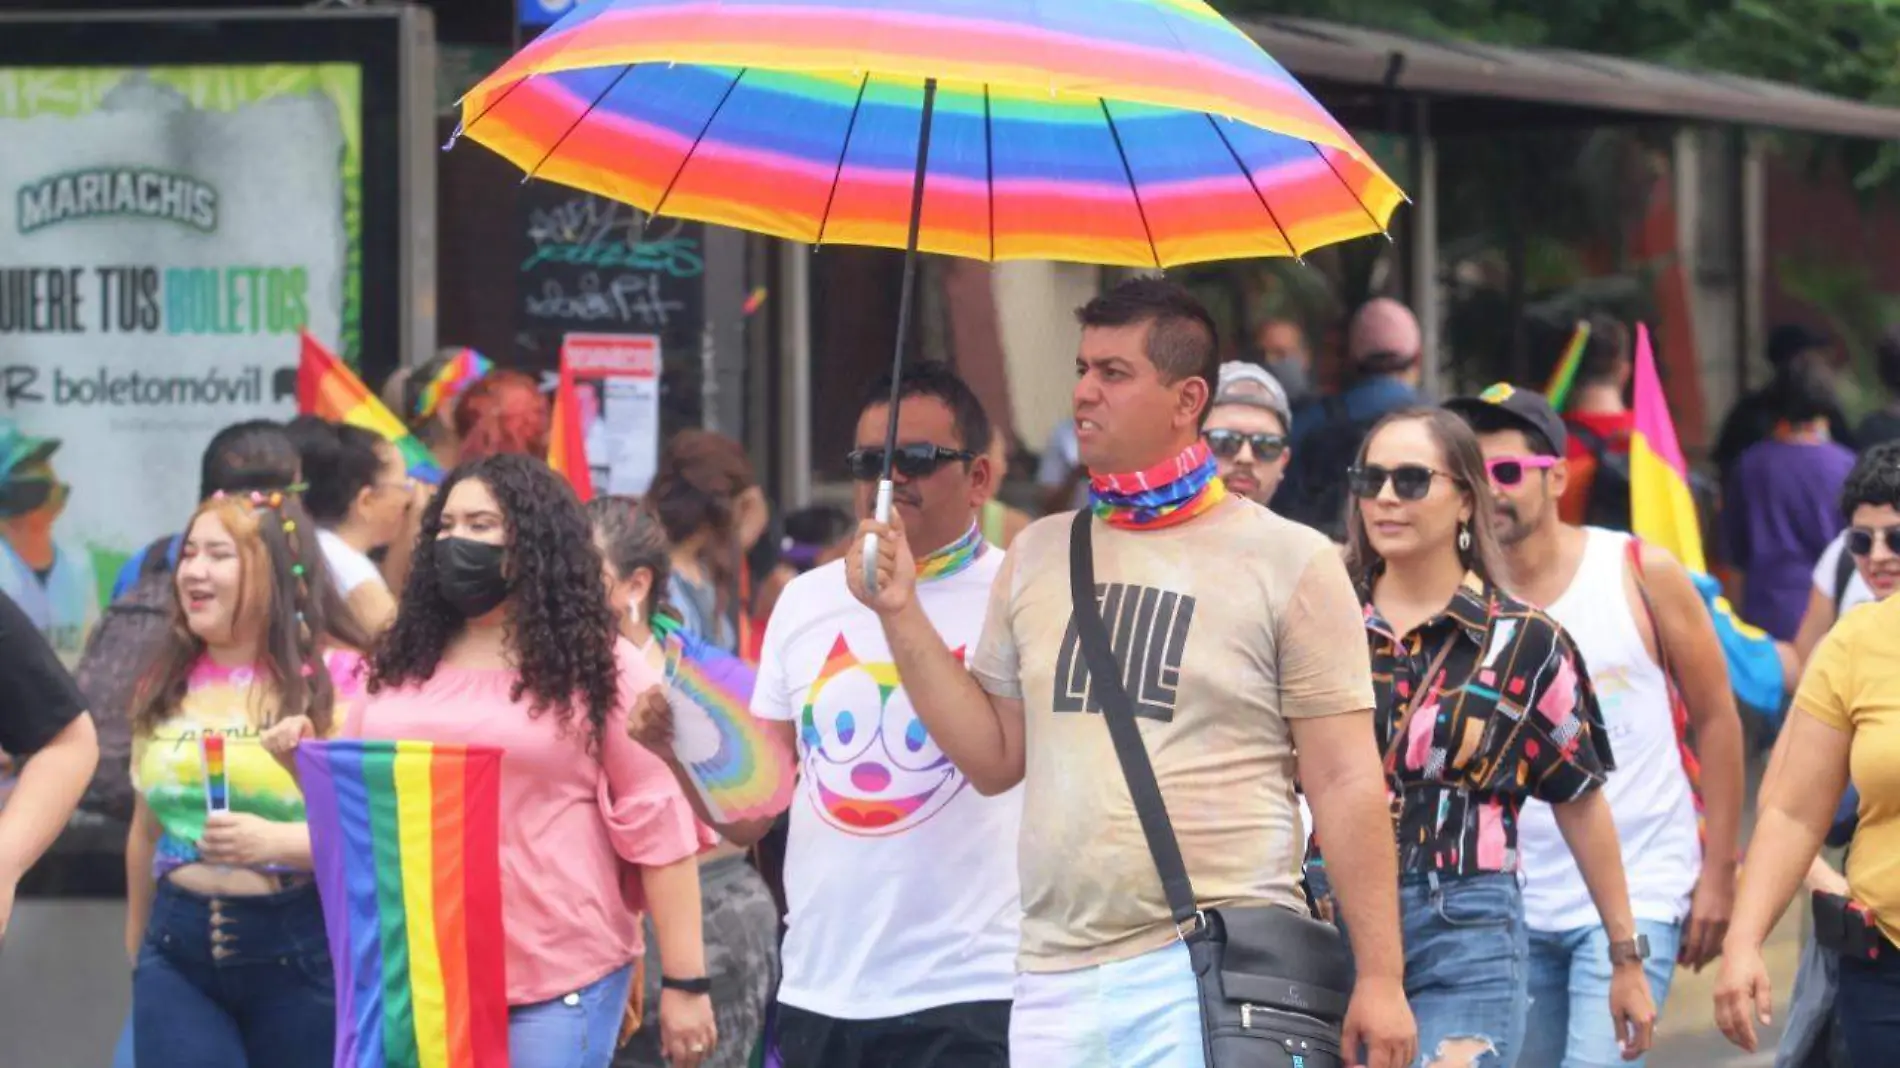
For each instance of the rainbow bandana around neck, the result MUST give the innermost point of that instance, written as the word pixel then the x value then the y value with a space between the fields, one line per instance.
pixel 953 557
pixel 1169 493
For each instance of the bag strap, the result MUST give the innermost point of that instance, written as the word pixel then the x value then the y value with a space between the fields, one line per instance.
pixel 1843 578
pixel 1105 685
pixel 1404 724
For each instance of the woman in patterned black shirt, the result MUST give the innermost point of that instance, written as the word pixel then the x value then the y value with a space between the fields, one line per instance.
pixel 1503 712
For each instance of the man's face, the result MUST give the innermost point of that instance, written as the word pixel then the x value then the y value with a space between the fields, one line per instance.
pixel 1126 416
pixel 1281 341
pixel 939 504
pixel 1249 446
pixel 1524 485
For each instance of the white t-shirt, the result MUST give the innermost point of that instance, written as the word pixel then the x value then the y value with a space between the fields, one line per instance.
pixel 349 568
pixel 1648 793
pixel 1857 593
pixel 900 879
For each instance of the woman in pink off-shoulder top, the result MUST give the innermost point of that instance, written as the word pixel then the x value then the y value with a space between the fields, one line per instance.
pixel 503 637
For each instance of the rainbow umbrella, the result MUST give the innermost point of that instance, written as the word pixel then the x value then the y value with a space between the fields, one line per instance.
pixel 1143 133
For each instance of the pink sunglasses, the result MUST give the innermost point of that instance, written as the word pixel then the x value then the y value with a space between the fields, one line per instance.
pixel 1509 470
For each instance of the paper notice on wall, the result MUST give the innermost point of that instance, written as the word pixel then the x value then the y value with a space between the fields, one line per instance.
pixel 617 380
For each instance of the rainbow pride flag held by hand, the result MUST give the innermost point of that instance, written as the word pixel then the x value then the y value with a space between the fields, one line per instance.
pixel 406 837
pixel 328 389
pixel 1663 513
pixel 741 772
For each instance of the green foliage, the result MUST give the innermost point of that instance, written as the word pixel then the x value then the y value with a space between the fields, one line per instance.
pixel 1849 48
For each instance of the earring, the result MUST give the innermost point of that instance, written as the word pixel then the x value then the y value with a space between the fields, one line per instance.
pixel 1464 538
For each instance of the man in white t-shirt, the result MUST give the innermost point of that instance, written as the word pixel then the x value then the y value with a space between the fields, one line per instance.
pixel 900 878
pixel 1644 648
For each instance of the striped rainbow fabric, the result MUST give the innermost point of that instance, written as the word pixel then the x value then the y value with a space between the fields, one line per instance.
pixel 328 389
pixel 407 838
pixel 1131 132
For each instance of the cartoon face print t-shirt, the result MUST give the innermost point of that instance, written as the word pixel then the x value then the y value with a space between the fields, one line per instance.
pixel 171 768
pixel 900 879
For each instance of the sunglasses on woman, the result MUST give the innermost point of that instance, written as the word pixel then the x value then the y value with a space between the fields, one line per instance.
pixel 1508 471
pixel 1860 540
pixel 1226 444
pixel 1410 482
pixel 911 461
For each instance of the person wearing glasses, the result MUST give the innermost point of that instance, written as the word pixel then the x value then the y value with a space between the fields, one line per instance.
pixel 1658 669
pixel 358 490
pixel 51 579
pixel 1853 570
pixel 900 881
pixel 1246 430
pixel 1482 705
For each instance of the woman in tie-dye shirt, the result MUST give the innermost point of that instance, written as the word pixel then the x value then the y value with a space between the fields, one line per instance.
pixel 1482 703
pixel 231 967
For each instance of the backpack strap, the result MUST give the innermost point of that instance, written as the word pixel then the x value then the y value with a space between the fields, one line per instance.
pixel 1843 577
pixel 1591 439
pixel 1678 708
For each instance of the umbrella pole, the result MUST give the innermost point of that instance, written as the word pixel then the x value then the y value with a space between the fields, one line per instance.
pixel 884 484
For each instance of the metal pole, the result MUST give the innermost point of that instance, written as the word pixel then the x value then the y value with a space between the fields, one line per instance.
pixel 884 485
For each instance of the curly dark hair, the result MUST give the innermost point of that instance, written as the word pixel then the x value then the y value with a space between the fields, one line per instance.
pixel 1875 480
pixel 560 629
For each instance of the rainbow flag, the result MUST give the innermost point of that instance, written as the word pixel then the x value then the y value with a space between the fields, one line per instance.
pixel 328 389
pixel 741 772
pixel 567 446
pixel 1663 513
pixel 406 837
pixel 217 774
pixel 1557 390
pixel 461 371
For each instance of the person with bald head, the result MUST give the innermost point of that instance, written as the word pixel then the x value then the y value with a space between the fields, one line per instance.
pixel 1384 348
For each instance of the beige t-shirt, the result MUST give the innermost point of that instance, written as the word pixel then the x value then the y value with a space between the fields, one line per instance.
pixel 1239 621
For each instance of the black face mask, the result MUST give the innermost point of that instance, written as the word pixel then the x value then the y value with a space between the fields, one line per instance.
pixel 469 573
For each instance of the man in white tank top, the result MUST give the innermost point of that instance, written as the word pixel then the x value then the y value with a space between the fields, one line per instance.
pixel 1630 614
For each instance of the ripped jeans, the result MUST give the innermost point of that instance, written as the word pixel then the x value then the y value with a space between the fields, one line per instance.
pixel 1467 968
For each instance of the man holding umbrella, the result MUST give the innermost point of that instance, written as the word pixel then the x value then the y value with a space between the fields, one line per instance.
pixel 1248 651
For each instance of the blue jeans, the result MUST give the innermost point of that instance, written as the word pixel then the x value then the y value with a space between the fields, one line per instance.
pixel 1466 964
pixel 576 1030
pixel 1139 1013
pixel 1870 1007
pixel 234 982
pixel 1570 1025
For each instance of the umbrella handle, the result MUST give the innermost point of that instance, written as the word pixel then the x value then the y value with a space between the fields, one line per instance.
pixel 883 515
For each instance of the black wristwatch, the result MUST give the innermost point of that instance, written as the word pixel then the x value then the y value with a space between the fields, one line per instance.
pixel 702 985
pixel 1631 951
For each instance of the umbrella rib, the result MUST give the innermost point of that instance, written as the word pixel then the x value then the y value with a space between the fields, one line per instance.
pixel 989 167
pixel 1146 230
pixel 464 128
pixel 837 172
pixel 1347 186
pixel 688 157
pixel 565 134
pixel 1253 185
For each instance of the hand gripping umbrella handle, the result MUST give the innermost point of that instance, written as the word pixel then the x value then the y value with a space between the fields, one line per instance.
pixel 883 514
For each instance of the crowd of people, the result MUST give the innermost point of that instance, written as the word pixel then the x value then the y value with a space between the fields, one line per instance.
pixel 1397 665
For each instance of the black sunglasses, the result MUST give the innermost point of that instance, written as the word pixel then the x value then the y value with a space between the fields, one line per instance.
pixel 1411 482
pixel 911 461
pixel 1226 444
pixel 30 494
pixel 1860 540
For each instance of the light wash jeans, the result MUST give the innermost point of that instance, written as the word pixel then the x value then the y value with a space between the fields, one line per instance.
pixel 1138 1013
pixel 577 1030
pixel 1570 1025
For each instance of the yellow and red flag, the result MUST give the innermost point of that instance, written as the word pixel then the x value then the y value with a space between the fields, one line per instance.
pixel 567 449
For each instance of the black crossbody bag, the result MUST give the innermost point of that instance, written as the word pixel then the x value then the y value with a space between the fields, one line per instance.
pixel 1274 984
